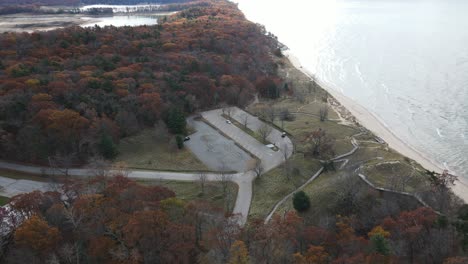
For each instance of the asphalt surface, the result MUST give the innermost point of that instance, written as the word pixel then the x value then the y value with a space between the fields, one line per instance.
pixel 12 187
pixel 215 150
pixel 269 158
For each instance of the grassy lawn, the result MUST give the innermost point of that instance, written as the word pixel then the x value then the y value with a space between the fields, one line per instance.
pixel 156 151
pixel 4 200
pixel 191 191
pixel 303 125
pixel 274 185
pixel 321 192
pixel 372 155
pixel 397 176
pixel 23 176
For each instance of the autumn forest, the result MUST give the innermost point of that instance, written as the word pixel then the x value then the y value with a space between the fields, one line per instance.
pixel 73 94
pixel 68 91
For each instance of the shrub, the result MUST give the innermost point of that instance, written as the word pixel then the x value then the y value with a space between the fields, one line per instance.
pixel 301 201
pixel 107 147
pixel 180 142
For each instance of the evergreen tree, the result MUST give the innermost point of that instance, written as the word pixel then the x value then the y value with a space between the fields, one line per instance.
pixel 176 121
pixel 301 201
pixel 107 147
pixel 380 244
pixel 180 142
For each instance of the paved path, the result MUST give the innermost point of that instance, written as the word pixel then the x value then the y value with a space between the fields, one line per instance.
pixel 339 158
pixel 270 159
pixel 12 187
pixel 415 196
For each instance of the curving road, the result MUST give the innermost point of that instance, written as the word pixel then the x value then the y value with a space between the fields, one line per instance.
pixel 270 159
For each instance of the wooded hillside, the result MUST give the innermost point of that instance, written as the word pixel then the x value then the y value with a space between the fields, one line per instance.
pixel 115 220
pixel 67 92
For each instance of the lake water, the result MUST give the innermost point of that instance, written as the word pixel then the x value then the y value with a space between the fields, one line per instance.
pixel 404 60
pixel 122 8
pixel 120 20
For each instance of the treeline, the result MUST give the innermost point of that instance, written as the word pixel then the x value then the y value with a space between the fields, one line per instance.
pixel 5 10
pixel 87 2
pixel 72 9
pixel 75 92
pixel 115 220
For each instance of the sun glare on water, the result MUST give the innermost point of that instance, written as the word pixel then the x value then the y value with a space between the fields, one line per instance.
pixel 314 22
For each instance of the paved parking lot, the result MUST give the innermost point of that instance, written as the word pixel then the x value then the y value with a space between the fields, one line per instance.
pixel 269 158
pixel 215 150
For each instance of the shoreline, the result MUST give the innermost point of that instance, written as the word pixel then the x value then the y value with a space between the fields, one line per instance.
pixel 372 123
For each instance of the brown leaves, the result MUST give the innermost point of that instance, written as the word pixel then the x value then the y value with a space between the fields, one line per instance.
pixel 37 235
pixel 27 204
pixel 66 123
pixel 315 255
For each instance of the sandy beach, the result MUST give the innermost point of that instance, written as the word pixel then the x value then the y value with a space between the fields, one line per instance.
pixel 371 122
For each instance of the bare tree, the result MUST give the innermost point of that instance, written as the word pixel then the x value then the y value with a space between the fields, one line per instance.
pixel 270 113
pixel 286 165
pixel 441 188
pixel 202 178
pixel 322 145
pixel 121 168
pixel 313 85
pixel 229 111
pixel 310 87
pixel 62 163
pixel 347 193
pixel 285 151
pixel 323 112
pixel 264 130
pixel 99 167
pixel 224 107
pixel 224 178
pixel 228 198
pixel 299 95
pixel 285 115
pixel 245 120
pixel 256 166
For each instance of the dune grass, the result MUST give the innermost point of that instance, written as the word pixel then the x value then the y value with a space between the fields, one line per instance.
pixel 271 187
pixel 398 176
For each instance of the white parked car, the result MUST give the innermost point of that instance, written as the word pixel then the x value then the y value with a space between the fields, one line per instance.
pixel 228 121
